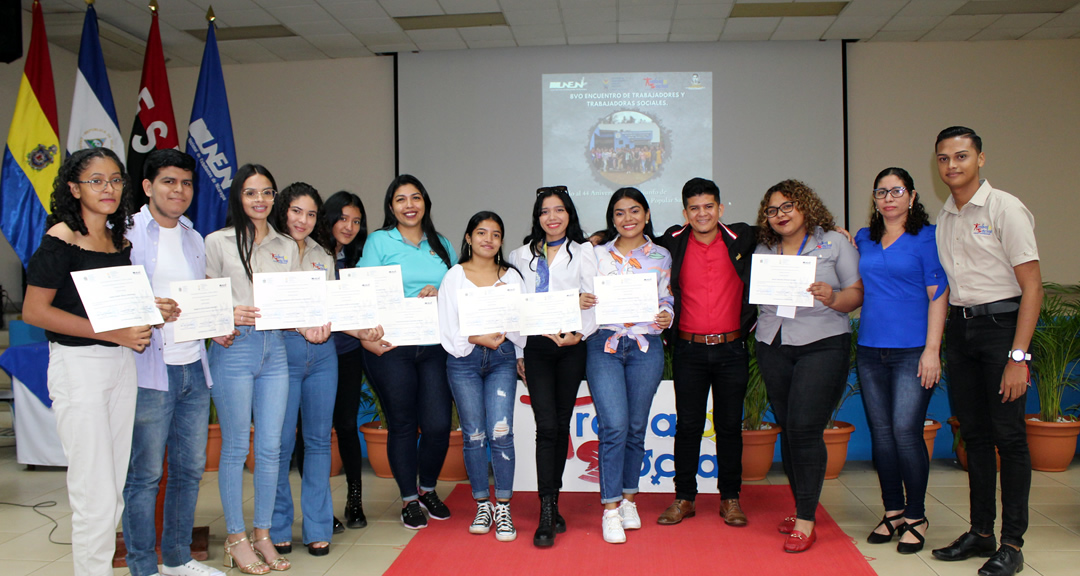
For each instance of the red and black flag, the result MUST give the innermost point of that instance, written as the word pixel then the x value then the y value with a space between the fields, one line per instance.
pixel 155 124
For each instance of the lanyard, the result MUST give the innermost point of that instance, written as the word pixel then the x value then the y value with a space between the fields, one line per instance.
pixel 801 246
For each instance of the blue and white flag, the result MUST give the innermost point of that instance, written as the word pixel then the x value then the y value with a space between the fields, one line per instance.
pixel 93 115
pixel 210 142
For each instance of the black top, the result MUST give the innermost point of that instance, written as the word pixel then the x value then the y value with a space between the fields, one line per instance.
pixel 51 266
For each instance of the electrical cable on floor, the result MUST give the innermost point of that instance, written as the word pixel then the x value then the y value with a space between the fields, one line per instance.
pixel 34 507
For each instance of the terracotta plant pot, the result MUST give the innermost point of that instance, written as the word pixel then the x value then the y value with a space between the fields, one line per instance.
pixel 1052 444
pixel 757 452
pixel 250 462
pixel 929 434
pixel 453 469
pixel 836 441
pixel 336 464
pixel 213 448
pixel 961 448
pixel 375 438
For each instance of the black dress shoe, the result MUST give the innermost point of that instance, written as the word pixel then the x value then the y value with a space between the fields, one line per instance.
pixel 338 526
pixel 1005 562
pixel 966 546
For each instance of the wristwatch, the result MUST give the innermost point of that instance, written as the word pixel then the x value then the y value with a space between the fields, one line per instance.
pixel 1019 355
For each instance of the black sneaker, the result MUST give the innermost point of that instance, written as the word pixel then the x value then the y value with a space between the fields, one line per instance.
pixel 435 508
pixel 412 517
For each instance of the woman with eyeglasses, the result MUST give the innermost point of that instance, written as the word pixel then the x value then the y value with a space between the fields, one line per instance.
pixel 555 257
pixel 251 377
pixel 411 380
pixel 804 352
pixel 899 351
pixel 626 361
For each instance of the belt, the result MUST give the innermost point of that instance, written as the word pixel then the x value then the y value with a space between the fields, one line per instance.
pixel 999 307
pixel 710 339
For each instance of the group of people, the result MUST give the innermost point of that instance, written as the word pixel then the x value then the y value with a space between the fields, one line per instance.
pixel 978 268
pixel 640 158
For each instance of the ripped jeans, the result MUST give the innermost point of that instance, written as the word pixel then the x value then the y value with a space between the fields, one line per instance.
pixel 484 384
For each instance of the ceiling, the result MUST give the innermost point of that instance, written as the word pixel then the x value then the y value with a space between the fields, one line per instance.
pixel 323 29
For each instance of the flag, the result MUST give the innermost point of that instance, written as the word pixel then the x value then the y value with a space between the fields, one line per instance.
pixel 93 115
pixel 210 142
pixel 155 123
pixel 30 158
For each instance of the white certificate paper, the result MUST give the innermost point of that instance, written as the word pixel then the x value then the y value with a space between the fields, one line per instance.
pixel 413 322
pixel 624 299
pixel 206 309
pixel 351 304
pixel 488 309
pixel 550 313
pixel 389 290
pixel 117 297
pixel 290 299
pixel 782 280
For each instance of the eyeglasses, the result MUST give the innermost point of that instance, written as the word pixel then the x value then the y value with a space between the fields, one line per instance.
pixel 545 189
pixel 99 184
pixel 252 193
pixel 786 208
pixel 897 192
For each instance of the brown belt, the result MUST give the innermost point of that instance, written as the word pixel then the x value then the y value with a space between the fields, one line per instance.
pixel 710 339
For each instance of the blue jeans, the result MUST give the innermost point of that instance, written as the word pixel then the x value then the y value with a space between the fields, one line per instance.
pixel 312 388
pixel 175 418
pixel 484 384
pixel 622 385
pixel 251 378
pixel 895 404
pixel 411 384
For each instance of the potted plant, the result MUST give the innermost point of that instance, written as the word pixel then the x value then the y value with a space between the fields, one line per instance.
pixel 759 436
pixel 838 433
pixel 375 431
pixel 1055 351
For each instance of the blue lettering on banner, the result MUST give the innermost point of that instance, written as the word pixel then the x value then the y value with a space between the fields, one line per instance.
pixel 669 430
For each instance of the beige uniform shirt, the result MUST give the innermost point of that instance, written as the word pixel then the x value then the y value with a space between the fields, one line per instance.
pixel 276 253
pixel 980 244
pixel 315 257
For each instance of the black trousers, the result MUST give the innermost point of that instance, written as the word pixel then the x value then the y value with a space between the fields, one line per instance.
pixel 553 375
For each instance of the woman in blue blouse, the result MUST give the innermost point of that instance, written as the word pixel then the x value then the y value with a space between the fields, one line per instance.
pixel 899 354
pixel 411 380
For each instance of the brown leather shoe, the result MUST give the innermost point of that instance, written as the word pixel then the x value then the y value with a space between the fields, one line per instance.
pixel 732 513
pixel 675 513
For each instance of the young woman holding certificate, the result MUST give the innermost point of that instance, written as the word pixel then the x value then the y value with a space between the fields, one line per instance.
pixel 411 380
pixel 91 375
pixel 626 359
pixel 555 257
pixel 803 352
pixel 482 369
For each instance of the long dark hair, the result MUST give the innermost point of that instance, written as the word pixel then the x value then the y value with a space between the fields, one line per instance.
pixel 466 249
pixel 917 216
pixel 331 213
pixel 610 233
pixel 65 207
pixel 279 215
pixel 537 237
pixel 390 220
pixel 238 219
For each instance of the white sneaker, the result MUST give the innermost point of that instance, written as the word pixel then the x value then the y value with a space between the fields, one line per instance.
pixel 613 527
pixel 630 518
pixel 504 524
pixel 192 568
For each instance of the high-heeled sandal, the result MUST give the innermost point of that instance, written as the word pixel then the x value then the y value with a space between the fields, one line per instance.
pixel 913 547
pixel 887 521
pixel 257 567
pixel 279 564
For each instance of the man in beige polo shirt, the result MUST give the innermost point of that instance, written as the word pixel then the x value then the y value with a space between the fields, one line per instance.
pixel 986 243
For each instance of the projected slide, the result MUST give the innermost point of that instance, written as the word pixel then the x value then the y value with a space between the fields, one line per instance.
pixel 649 130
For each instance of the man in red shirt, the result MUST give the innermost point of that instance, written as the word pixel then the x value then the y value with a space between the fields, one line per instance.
pixel 710 277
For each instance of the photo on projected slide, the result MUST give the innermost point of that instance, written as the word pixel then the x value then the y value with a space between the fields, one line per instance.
pixel 649 130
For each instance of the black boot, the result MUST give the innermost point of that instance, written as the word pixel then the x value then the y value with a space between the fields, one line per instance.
pixel 354 508
pixel 545 532
pixel 560 522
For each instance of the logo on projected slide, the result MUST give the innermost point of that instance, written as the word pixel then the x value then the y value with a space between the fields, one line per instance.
pixel 559 86
pixel 616 83
pixel 654 83
pixel 626 148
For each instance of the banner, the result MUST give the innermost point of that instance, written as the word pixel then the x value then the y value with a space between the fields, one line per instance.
pixel 155 123
pixel 93 114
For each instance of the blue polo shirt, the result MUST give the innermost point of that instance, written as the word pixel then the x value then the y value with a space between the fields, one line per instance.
pixel 420 265
pixel 895 304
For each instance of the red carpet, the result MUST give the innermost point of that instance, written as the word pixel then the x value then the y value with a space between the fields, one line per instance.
pixel 699 545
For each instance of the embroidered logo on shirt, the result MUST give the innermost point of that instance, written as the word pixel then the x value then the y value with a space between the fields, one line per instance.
pixel 982 230
pixel 318 266
pixel 278 259
pixel 823 245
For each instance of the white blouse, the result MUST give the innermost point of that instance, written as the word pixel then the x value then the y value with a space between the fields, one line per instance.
pixel 564 273
pixel 453 341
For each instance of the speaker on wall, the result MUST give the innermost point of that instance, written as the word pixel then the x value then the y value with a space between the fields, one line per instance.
pixel 10 31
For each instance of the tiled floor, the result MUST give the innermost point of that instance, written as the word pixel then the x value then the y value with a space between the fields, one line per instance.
pixel 1052 548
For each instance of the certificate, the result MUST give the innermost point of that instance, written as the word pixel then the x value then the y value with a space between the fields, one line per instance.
pixel 782 280
pixel 550 313
pixel 488 309
pixel 625 299
pixel 413 322
pixel 290 299
pixel 389 290
pixel 351 304
pixel 206 309
pixel 117 297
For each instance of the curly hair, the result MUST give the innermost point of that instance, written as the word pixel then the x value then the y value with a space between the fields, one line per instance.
pixel 65 207
pixel 279 215
pixel 812 208
pixel 916 217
